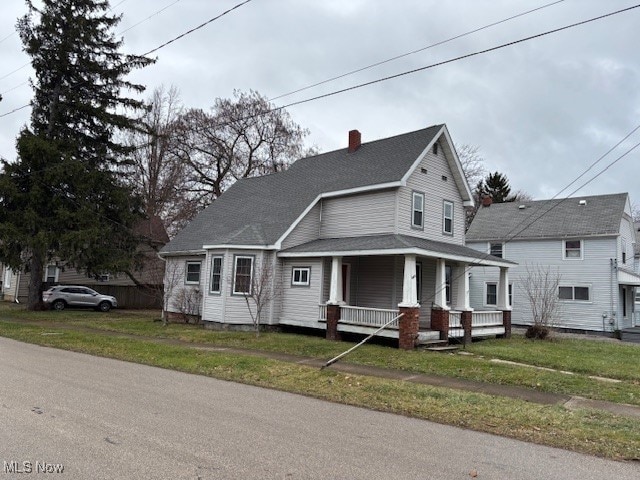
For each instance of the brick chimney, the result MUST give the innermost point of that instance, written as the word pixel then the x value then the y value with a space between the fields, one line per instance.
pixel 354 140
pixel 487 201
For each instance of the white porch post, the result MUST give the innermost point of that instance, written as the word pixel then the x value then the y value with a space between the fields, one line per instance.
pixel 335 291
pixel 440 298
pixel 461 301
pixel 410 283
pixel 503 289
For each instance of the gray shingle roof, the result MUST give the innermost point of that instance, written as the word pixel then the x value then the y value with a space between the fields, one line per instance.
pixel 559 218
pixel 393 242
pixel 257 211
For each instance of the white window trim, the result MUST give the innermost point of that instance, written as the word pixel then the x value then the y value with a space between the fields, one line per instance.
pixel 509 294
pixel 444 216
pixel 496 243
pixel 56 276
pixel 421 195
pixel 235 271
pixel 300 283
pixel 573 293
pixel 186 272
pixel 564 250
pixel 211 290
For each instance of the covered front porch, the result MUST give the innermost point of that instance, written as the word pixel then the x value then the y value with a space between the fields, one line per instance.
pixel 418 288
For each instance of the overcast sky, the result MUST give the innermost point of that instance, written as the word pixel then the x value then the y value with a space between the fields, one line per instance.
pixel 541 111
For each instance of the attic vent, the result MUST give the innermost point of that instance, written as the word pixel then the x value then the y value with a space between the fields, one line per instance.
pixel 522 207
pixel 582 202
pixel 435 149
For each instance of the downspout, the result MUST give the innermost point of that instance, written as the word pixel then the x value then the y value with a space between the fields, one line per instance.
pixel 17 288
pixel 613 319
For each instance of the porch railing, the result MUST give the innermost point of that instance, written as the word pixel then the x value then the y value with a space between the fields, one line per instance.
pixel 368 317
pixel 363 316
pixel 486 319
pixel 454 319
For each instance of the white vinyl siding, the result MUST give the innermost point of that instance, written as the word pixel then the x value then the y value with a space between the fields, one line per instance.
pixel 175 277
pixel 300 305
pixel 428 178
pixel 362 214
pixel 596 267
pixel 307 230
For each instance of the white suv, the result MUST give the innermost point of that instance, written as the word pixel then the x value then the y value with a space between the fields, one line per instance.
pixel 63 296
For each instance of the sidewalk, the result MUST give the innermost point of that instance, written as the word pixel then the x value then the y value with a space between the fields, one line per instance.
pixel 521 393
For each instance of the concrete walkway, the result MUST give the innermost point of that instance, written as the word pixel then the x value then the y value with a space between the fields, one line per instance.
pixel 521 393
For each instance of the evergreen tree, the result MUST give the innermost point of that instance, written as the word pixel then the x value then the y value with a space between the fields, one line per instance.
pixel 62 199
pixel 497 186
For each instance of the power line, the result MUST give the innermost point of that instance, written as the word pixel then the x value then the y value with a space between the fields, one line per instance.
pixel 397 57
pixel 197 28
pixel 8 36
pixel 455 59
pixel 13 88
pixel 15 110
pixel 148 18
pixel 14 71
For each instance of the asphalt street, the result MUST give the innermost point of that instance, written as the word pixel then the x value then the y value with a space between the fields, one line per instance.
pixel 105 419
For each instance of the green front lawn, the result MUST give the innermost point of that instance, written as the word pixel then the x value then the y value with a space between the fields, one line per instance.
pixel 583 357
pixel 587 431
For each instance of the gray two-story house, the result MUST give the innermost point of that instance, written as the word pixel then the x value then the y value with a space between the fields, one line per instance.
pixel 587 243
pixel 352 239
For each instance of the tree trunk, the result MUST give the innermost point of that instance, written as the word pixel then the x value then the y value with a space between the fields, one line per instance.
pixel 34 300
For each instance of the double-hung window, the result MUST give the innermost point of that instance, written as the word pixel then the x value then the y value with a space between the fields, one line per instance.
pixel 491 297
pixel 417 210
pixel 51 274
pixel 572 249
pixel 496 249
pixel 192 274
pixel 242 275
pixel 300 276
pixel 216 274
pixel 447 217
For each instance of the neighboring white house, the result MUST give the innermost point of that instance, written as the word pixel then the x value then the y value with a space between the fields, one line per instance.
pixel 363 233
pixel 590 242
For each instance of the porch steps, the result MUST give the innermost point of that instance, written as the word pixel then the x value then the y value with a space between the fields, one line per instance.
pixel 443 348
pixel 630 335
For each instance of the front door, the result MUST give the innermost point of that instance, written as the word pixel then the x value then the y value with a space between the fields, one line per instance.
pixel 346 282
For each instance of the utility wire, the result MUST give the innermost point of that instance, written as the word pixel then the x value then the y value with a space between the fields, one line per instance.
pixel 455 59
pixel 148 18
pixel 397 57
pixel 197 28
pixel 7 37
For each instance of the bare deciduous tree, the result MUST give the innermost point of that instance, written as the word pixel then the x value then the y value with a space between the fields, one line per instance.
pixel 264 288
pixel 241 137
pixel 188 302
pixel 541 285
pixel 472 163
pixel 155 172
pixel 172 278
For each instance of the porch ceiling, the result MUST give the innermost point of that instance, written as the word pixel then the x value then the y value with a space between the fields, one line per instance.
pixel 393 245
pixel 626 277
